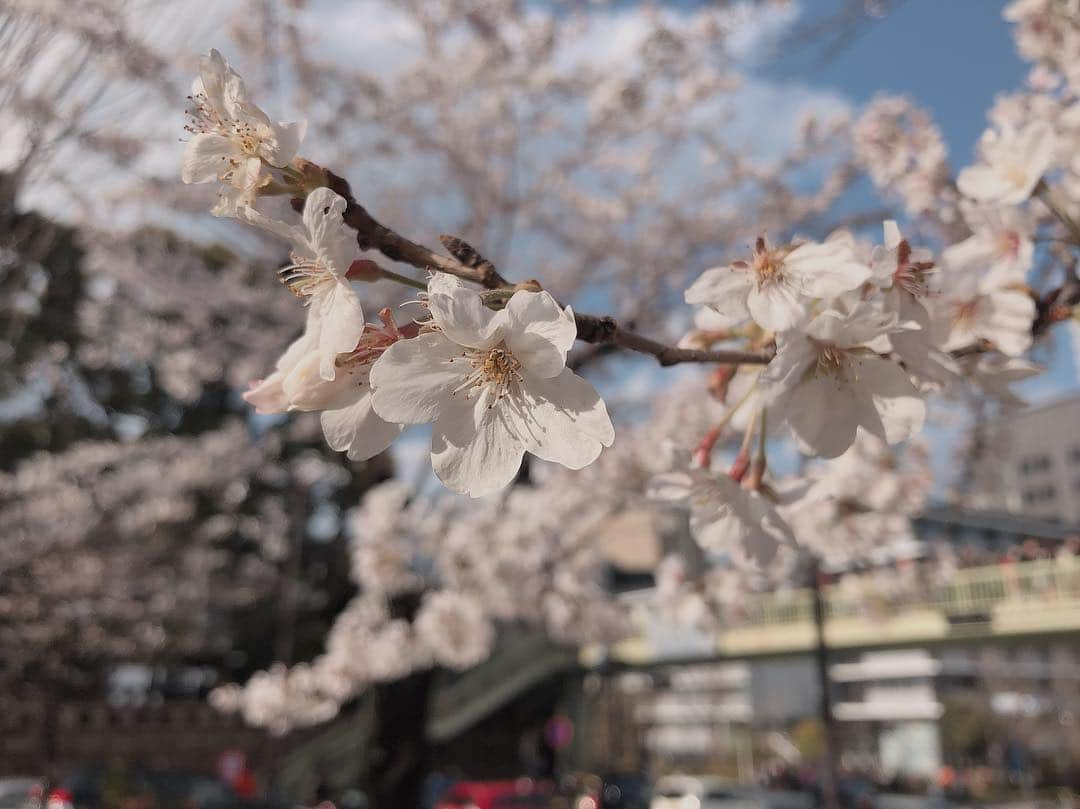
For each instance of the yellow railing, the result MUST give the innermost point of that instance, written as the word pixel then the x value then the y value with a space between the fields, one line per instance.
pixel 1022 599
pixel 970 592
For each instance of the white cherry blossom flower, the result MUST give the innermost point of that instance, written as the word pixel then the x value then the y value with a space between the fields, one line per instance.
pixel 977 306
pixel 775 285
pixel 900 268
pixel 726 518
pixel 323 250
pixel 1000 243
pixel 909 279
pixel 231 137
pixel 455 629
pixel 827 382
pixel 1013 162
pixel 495 384
pixel 994 374
pixel 348 420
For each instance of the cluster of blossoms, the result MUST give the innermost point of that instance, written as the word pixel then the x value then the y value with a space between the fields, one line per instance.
pixel 101 558
pixel 864 334
pixel 837 342
pixel 436 578
pixel 493 384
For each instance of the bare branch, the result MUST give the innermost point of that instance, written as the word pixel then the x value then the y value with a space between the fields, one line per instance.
pixel 605 330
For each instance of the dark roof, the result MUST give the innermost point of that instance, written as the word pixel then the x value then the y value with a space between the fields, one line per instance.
pixel 1000 521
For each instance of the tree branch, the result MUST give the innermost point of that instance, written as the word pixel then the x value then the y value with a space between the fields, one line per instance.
pixel 373 235
pixel 605 330
pixel 468 264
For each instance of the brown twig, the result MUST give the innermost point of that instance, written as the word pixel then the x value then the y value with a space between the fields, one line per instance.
pixel 468 264
pixel 605 330
pixel 373 235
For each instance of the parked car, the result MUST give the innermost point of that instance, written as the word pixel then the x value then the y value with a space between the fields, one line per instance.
pixel 701 792
pixel 517 794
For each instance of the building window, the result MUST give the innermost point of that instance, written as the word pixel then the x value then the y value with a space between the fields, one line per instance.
pixel 1040 494
pixel 1042 463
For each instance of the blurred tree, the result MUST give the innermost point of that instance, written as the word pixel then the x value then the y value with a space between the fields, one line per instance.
pixel 142 522
pixel 967 727
pixel 809 736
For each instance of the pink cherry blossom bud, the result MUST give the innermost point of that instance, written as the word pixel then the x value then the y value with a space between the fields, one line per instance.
pixel 740 466
pixel 364 269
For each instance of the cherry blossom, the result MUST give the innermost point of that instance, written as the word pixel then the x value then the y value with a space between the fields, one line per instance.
pixel 322 253
pixel 837 340
pixel 1013 162
pixel 905 154
pixel 910 280
pixel 455 628
pixel 726 518
pixel 495 384
pixel 994 374
pixel 976 306
pixel 349 422
pixel 231 137
pixel 1000 242
pixel 827 382
pixel 776 283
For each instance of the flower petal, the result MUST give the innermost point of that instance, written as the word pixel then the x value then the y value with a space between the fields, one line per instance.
pixel 892 234
pixel 342 324
pixel 825 270
pixel 775 307
pixel 267 395
pixel 459 312
pixel 414 379
pixel 285 143
pixel 540 332
pixel 898 404
pixel 722 289
pixel 670 487
pixel 1008 314
pixel 824 416
pixel 562 419
pixel 358 429
pixel 329 239
pixel 214 71
pixel 473 449
pixel 208 156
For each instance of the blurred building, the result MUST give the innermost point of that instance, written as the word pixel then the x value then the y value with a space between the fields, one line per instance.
pixel 980 533
pixel 1039 452
pixel 912 708
pixel 887 702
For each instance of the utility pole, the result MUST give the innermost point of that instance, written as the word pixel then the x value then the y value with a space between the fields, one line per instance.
pixel 830 770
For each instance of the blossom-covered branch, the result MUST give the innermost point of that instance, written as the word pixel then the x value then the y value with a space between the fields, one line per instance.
pixel 469 265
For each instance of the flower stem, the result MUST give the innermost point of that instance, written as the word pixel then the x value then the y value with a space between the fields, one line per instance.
pixel 404 279
pixel 757 472
pixel 1050 200
pixel 703 452
pixel 741 465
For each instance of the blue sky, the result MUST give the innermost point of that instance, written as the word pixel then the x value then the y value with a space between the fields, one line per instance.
pixel 952 56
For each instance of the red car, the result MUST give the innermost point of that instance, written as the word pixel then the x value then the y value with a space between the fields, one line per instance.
pixel 524 792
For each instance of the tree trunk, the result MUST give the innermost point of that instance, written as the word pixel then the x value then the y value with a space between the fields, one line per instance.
pixel 829 770
pixel 402 756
